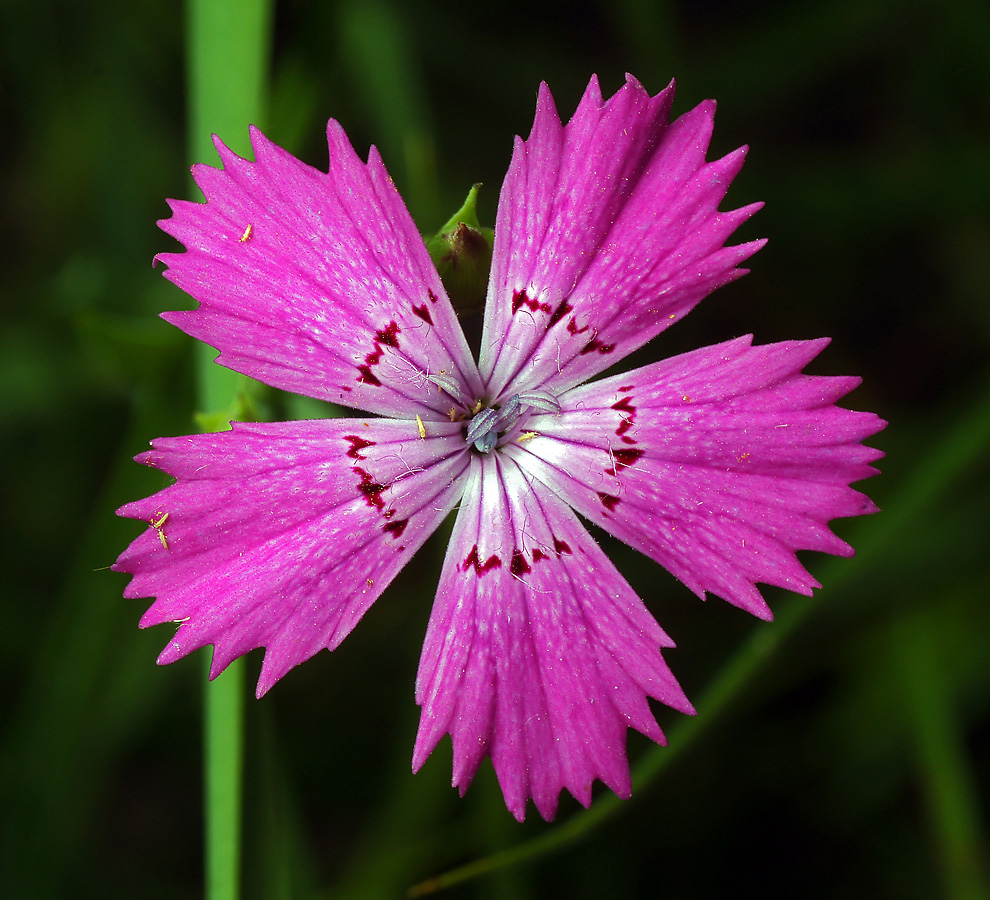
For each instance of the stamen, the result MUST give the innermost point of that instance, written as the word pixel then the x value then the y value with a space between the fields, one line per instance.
pixel 540 400
pixel 481 425
pixel 508 413
pixel 447 384
pixel 487 442
pixel 490 424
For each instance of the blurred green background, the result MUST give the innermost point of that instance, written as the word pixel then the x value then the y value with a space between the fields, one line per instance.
pixel 855 762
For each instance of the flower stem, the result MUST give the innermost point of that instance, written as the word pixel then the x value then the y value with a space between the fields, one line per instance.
pixel 223 750
pixel 228 56
pixel 942 762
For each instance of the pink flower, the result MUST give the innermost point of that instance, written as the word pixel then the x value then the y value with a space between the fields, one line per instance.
pixel 718 464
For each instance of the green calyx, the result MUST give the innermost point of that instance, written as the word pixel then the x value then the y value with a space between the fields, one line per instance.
pixel 462 253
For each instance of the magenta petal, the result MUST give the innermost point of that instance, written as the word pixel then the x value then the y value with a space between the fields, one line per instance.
pixel 538 652
pixel 719 464
pixel 317 283
pixel 608 231
pixel 282 535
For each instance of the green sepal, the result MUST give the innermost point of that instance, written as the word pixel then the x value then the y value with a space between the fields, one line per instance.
pixel 462 252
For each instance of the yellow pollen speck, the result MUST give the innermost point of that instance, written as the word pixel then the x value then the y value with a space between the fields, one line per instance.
pixel 476 408
pixel 422 427
pixel 453 414
pixel 246 236
pixel 686 398
pixel 526 436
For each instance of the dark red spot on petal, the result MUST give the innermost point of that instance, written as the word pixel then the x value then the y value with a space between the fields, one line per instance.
pixel 559 314
pixel 519 566
pixel 626 388
pixel 595 344
pixel 608 501
pixel 573 329
pixel 432 296
pixel 396 528
pixel 493 562
pixel 372 490
pixel 538 555
pixel 357 445
pixel 560 546
pixel 424 313
pixel 624 406
pixel 624 459
pixel 368 377
pixel 388 335
pixel 521 299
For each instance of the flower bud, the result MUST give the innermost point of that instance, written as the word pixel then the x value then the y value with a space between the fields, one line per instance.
pixel 462 253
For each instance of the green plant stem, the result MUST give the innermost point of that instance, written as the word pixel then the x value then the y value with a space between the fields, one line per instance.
pixel 961 447
pixel 228 57
pixel 942 761
pixel 223 753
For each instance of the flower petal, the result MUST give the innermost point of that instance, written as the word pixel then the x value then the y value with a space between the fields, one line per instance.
pixel 538 652
pixel 282 535
pixel 317 283
pixel 608 231
pixel 719 464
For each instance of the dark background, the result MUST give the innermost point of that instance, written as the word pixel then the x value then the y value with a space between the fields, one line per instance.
pixel 856 763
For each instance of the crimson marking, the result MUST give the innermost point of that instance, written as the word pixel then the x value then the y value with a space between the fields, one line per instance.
pixel 480 568
pixel 573 329
pixel 424 313
pixel 624 406
pixel 539 555
pixel 559 314
pixel 560 546
pixel 608 501
pixel 521 299
pixel 357 445
pixel 519 566
pixel 388 336
pixel 368 377
pixel 372 490
pixel 624 459
pixel 595 344
pixel 396 528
